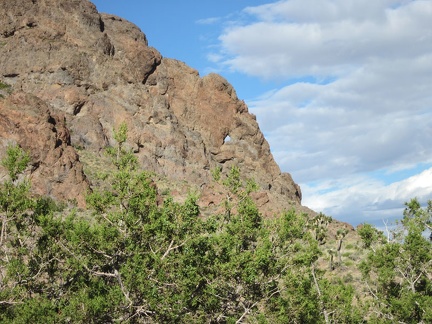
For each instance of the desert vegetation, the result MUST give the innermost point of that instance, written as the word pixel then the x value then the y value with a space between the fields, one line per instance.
pixel 137 257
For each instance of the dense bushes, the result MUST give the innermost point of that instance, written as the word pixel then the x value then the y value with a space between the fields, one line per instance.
pixel 136 260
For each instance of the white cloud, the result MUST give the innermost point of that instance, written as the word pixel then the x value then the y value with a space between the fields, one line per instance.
pixel 332 130
pixel 321 11
pixel 359 199
pixel 330 38
pixel 365 103
pixel 214 57
pixel 208 21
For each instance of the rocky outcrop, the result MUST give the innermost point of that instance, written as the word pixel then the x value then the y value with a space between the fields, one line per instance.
pixel 55 168
pixel 98 71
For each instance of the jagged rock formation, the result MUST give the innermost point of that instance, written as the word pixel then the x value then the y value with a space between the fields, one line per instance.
pixel 74 71
pixel 55 168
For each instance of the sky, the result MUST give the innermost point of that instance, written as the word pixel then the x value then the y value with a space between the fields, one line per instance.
pixel 342 89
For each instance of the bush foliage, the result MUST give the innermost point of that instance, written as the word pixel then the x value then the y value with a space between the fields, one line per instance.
pixel 138 260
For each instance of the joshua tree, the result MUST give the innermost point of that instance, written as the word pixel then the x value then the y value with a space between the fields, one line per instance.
pixel 331 253
pixel 340 235
pixel 319 227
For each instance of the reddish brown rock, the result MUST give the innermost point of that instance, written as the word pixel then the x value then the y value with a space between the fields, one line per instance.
pixel 98 71
pixel 55 169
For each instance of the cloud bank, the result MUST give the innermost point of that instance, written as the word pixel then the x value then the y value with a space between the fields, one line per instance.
pixel 352 120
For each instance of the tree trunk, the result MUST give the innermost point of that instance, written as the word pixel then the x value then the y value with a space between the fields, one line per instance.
pixel 324 310
pixel 339 252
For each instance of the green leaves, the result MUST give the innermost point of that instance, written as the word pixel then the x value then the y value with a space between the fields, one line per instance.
pixel 233 181
pixel 415 218
pixel 139 259
pixel 14 195
pixel 15 161
pixel 369 235
pixel 398 272
pixel 123 159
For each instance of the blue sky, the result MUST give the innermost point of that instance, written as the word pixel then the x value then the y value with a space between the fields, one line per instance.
pixel 342 89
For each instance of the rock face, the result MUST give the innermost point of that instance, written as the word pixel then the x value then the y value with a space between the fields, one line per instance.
pixel 66 64
pixel 55 168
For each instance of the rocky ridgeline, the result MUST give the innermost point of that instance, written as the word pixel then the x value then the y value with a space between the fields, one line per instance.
pixel 71 75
